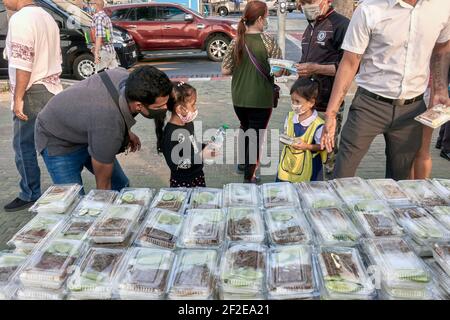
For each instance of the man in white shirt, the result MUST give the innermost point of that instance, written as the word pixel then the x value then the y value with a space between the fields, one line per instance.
pixel 34 61
pixel 392 43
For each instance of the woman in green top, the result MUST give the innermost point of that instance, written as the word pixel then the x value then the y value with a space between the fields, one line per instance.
pixel 252 93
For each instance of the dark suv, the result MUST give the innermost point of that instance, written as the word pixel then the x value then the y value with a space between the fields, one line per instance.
pixel 78 60
pixel 161 28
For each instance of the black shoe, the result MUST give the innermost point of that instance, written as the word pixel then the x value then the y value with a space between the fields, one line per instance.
pixel 445 155
pixel 438 145
pixel 18 204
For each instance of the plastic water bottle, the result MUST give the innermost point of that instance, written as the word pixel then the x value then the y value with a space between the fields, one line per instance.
pixel 216 142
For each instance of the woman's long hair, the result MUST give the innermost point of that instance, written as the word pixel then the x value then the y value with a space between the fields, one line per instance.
pixel 253 10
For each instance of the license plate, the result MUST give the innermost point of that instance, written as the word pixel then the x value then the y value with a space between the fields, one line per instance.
pixel 134 54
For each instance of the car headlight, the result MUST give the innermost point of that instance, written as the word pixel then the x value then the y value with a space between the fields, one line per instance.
pixel 118 37
pixel 234 26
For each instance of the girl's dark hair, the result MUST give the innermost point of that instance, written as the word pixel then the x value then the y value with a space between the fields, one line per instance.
pixel 307 87
pixel 181 94
pixel 253 10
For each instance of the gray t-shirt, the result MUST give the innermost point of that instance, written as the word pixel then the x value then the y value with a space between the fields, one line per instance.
pixel 85 115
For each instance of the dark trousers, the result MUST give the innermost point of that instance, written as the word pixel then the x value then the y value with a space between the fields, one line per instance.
pixel 252 120
pixel 26 160
pixel 368 118
pixel 444 137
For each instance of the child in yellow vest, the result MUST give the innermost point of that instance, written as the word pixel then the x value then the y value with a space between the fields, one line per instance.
pixel 303 160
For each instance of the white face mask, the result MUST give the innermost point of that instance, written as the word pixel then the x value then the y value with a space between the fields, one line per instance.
pixel 189 117
pixel 312 11
pixel 297 108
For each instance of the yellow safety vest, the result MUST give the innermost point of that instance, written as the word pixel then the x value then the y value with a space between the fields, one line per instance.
pixel 296 165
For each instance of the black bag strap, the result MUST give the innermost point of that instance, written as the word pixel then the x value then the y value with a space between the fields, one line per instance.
pixel 114 93
pixel 256 63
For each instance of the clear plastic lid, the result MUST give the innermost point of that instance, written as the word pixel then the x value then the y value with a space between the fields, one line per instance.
pixel 439 274
pixel 161 229
pixel 443 186
pixel 281 194
pixel 287 226
pixel 145 273
pixel 389 190
pixel 353 189
pixel 36 231
pixel 419 249
pixel 173 199
pixel 318 195
pixel 343 274
pixel 420 225
pixel 194 275
pixel 51 264
pixel 243 268
pixel 95 272
pixel 422 192
pixel 116 224
pixel 206 198
pixel 240 195
pixel 245 224
pixel 333 227
pixel 26 293
pixel 203 228
pixel 400 267
pixel 87 208
pixel 75 229
pixel 9 263
pixel 291 272
pixel 376 219
pixel 57 199
pixel 441 214
pixel 105 196
pixel 441 253
pixel 139 196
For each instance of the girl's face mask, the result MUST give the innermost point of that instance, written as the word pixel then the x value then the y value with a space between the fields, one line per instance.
pixel 299 108
pixel 189 117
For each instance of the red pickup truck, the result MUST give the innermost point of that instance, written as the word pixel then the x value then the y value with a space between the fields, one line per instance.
pixel 159 28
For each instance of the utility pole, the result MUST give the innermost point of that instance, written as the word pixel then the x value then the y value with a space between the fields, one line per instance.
pixel 282 26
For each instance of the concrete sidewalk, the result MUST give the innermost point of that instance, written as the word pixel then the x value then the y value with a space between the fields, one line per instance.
pixel 148 169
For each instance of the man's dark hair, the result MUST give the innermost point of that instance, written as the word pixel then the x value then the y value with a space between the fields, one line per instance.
pixel 146 84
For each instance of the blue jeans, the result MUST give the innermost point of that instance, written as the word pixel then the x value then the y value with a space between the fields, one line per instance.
pixel 67 169
pixel 26 160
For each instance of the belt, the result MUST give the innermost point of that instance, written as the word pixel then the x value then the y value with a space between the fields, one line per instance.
pixel 394 102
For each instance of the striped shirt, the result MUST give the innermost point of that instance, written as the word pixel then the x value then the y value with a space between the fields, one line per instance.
pixel 104 29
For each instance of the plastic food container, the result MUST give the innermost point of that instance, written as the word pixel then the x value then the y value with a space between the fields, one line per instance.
pixel 87 208
pixel 139 196
pixel 420 225
pixel 172 199
pixel 75 229
pixel 243 269
pixel 203 228
pixel 333 227
pixel 245 224
pixel 25 293
pixel 240 195
pixel 353 189
pixel 57 199
pixel 401 269
pixel 441 253
pixel 161 229
pixel 116 225
pixel 206 198
pixel 50 265
pixel 343 274
pixel 420 250
pixel 9 264
pixel 282 194
pixel 439 274
pixel 318 195
pixel 291 273
pixel 390 191
pixel 145 274
pixel 194 275
pixel 375 219
pixel 443 186
pixel 441 214
pixel 105 196
pixel 287 226
pixel 423 193
pixel 37 230
pixel 94 274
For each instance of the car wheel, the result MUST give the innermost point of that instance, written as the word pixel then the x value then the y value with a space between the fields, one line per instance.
pixel 84 66
pixel 223 11
pixel 216 47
